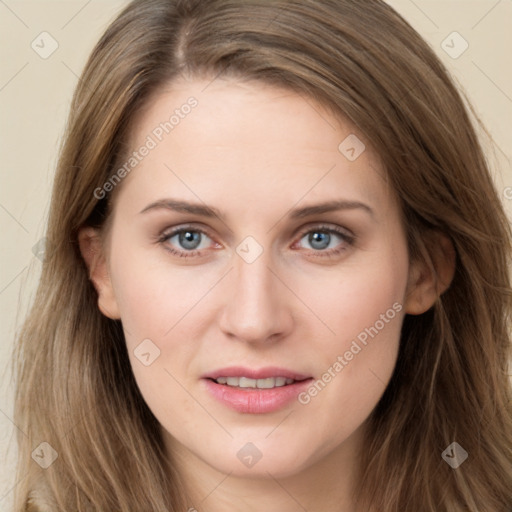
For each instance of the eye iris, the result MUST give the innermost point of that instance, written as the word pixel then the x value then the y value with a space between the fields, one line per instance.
pixel 189 239
pixel 319 240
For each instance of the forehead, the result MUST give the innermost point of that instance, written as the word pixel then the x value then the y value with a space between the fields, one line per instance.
pixel 248 141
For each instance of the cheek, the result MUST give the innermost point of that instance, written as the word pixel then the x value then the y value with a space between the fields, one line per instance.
pixel 364 309
pixel 357 294
pixel 153 296
pixel 155 308
pixel 161 308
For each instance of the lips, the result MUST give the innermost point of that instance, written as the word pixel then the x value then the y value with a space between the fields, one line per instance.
pixel 255 391
pixel 251 373
pixel 247 383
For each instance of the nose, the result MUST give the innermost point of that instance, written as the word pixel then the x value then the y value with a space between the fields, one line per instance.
pixel 258 305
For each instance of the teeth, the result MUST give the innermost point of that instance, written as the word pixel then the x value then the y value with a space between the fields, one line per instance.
pixel 232 381
pixel 245 382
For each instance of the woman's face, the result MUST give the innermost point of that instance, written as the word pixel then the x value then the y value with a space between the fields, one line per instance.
pixel 262 334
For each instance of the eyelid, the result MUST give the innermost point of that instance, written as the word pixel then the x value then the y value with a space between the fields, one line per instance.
pixel 326 227
pixel 344 233
pixel 170 232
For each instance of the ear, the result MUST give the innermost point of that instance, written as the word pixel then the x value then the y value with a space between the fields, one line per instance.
pixel 430 276
pixel 93 253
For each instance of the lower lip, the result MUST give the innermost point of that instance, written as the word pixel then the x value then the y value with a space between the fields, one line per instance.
pixel 256 401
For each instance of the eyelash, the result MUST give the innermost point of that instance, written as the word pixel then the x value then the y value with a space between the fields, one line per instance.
pixel 347 238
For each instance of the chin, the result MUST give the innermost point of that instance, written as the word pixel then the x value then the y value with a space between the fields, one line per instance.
pixel 260 458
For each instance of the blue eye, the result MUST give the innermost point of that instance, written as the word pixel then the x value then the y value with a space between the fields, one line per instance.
pixel 188 241
pixel 328 240
pixel 319 240
pixel 325 241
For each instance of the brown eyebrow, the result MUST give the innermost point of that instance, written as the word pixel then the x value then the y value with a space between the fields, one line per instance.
pixel 297 213
pixel 184 207
pixel 329 206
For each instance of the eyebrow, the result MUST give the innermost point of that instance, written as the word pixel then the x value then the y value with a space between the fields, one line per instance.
pixel 297 213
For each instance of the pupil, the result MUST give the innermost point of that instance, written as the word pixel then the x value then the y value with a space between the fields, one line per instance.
pixel 188 239
pixel 319 240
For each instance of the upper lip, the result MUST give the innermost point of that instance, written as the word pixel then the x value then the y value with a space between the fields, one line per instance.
pixel 252 373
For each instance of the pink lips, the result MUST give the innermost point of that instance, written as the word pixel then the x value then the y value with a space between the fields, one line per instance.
pixel 263 373
pixel 251 400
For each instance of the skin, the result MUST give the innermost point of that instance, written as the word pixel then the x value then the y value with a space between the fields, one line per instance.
pixel 256 152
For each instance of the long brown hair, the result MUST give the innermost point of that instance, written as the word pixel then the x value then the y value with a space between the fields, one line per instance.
pixel 76 390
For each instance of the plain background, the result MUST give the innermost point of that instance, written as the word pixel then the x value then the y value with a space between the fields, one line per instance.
pixel 35 93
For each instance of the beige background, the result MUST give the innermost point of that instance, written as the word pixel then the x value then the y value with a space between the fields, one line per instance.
pixel 35 93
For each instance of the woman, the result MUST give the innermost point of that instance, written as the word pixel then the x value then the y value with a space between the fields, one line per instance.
pixel 278 278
